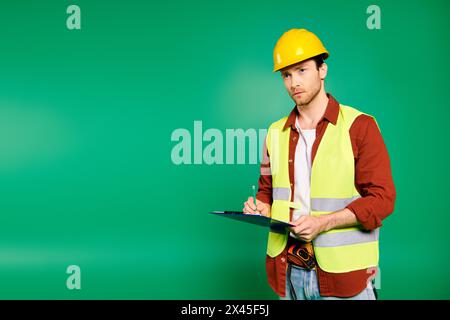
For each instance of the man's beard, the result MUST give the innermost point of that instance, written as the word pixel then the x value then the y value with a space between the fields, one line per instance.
pixel 309 98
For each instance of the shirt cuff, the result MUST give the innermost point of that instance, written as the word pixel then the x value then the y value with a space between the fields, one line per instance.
pixel 368 220
pixel 264 197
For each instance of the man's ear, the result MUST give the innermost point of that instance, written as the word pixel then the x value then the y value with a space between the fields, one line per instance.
pixel 323 70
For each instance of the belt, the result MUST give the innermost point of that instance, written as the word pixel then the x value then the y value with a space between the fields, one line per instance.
pixel 300 254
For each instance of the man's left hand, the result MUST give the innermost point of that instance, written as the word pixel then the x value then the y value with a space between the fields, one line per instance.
pixel 307 228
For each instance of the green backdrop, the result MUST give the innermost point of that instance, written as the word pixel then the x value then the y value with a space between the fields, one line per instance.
pixel 86 118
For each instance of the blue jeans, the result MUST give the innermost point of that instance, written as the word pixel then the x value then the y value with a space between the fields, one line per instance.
pixel 306 287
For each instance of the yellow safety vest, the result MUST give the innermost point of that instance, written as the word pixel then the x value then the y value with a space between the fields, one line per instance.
pixel 332 189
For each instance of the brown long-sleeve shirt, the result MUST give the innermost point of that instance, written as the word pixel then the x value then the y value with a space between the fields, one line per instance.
pixel 373 180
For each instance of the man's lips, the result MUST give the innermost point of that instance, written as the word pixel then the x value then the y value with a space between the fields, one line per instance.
pixel 299 92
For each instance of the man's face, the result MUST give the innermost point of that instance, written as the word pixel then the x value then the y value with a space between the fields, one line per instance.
pixel 303 81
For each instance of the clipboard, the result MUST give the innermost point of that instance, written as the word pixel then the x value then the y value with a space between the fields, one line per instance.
pixel 276 226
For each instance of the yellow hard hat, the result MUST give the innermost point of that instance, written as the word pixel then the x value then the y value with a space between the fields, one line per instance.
pixel 296 45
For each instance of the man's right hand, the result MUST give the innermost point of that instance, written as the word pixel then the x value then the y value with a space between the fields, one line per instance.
pixel 260 208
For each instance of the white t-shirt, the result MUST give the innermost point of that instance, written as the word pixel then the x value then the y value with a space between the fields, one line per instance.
pixel 302 171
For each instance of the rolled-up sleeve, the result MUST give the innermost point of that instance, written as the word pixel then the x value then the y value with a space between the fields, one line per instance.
pixel 373 176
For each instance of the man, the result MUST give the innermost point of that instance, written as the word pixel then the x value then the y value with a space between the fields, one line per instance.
pixel 327 170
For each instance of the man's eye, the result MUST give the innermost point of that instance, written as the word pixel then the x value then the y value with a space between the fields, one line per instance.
pixel 286 75
pixel 302 70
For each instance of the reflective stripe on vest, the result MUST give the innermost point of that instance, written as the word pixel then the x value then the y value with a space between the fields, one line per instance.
pixel 331 204
pixel 337 239
pixel 332 189
pixel 281 194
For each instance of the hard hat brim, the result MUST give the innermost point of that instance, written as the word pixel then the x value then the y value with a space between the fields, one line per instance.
pixel 325 55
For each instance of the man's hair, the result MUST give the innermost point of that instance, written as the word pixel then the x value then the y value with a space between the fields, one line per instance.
pixel 319 60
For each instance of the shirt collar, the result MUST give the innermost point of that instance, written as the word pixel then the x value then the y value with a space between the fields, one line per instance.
pixel 331 113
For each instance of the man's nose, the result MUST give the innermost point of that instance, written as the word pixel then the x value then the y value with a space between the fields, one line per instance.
pixel 296 81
